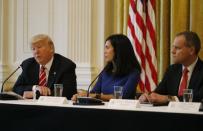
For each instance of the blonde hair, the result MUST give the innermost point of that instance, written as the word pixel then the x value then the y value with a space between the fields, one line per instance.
pixel 40 37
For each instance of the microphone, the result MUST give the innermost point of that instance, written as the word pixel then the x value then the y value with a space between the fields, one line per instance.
pixel 89 100
pixel 9 95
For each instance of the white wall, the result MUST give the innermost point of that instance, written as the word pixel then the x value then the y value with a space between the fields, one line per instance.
pixel 77 28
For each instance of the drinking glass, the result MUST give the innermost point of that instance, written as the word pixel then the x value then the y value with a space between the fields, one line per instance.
pixel 58 90
pixel 187 95
pixel 118 92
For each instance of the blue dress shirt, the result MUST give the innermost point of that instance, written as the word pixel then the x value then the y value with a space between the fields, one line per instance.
pixel 106 83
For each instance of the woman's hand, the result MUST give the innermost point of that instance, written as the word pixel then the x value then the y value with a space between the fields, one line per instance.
pixel 80 93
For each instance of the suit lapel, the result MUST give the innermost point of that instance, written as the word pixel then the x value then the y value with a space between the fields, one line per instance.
pixel 35 73
pixel 178 78
pixel 52 74
pixel 195 75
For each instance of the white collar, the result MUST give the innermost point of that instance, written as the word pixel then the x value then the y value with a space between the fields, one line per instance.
pixel 48 65
pixel 191 67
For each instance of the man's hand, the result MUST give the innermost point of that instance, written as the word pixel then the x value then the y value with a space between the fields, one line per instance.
pixel 157 98
pixel 144 98
pixel 44 91
pixel 153 98
pixel 28 94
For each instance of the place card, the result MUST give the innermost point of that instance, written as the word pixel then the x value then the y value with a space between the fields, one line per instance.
pixel 123 104
pixel 184 106
pixel 52 100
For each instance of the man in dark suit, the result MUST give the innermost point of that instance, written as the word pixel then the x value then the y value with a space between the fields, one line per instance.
pixel 58 70
pixel 185 51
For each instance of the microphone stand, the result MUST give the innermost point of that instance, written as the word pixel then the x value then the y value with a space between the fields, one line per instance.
pixel 89 100
pixel 2 87
pixel 9 95
pixel 88 89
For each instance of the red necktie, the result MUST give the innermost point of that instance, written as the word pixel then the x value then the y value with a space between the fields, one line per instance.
pixel 42 76
pixel 183 84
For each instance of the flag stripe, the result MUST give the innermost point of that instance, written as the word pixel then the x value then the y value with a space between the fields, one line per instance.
pixel 138 51
pixel 152 33
pixel 133 5
pixel 142 33
pixel 152 3
pixel 137 46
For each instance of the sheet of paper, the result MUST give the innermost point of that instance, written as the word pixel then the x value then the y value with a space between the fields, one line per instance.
pixel 184 106
pixel 52 100
pixel 123 104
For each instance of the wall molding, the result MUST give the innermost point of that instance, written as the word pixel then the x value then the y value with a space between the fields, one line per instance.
pixel 1 31
pixel 84 73
pixel 77 28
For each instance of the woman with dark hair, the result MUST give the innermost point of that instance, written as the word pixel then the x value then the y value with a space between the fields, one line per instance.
pixel 122 69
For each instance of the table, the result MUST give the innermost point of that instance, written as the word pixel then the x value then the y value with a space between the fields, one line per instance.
pixel 25 115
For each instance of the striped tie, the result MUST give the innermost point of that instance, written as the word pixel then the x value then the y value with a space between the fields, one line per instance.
pixel 42 76
pixel 183 84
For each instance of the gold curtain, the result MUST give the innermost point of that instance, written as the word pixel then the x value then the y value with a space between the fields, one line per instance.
pixel 172 16
pixel 196 20
pixel 117 15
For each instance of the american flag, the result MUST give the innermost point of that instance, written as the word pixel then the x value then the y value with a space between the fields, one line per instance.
pixel 142 34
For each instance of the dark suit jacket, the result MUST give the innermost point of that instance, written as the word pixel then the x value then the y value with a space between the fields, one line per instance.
pixel 171 80
pixel 62 71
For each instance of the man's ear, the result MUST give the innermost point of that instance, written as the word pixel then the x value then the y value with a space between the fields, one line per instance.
pixel 52 50
pixel 192 50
